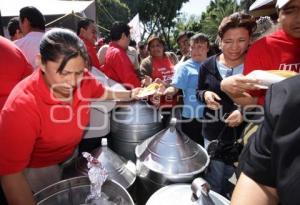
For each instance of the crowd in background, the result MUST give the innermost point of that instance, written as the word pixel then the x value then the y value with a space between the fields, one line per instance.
pixel 198 81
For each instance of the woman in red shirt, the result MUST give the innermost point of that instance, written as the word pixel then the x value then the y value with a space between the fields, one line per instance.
pixel 159 65
pixel 45 115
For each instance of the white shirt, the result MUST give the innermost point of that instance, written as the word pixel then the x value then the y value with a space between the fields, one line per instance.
pixel 30 46
pixel 133 56
pixel 100 110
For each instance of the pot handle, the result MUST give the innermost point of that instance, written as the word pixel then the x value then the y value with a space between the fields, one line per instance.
pixel 173 123
pixel 200 186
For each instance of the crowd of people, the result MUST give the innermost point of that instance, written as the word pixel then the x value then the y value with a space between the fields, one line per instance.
pixel 57 85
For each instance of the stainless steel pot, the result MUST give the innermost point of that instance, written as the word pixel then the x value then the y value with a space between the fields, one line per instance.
pixel 168 157
pixel 75 190
pixel 196 194
pixel 118 169
pixel 132 123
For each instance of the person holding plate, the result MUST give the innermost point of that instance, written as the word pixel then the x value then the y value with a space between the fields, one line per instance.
pixel 159 67
pixel 277 51
pixel 222 117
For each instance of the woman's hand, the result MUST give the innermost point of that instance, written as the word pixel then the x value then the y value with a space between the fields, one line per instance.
pixel 211 100
pixel 170 91
pixel 146 81
pixel 234 119
pixel 134 93
pixel 161 82
pixel 155 98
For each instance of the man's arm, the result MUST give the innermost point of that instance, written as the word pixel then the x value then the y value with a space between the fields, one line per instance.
pixel 243 100
pixel 249 192
pixel 237 87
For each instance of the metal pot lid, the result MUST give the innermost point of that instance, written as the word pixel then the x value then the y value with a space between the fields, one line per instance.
pixel 75 190
pixel 170 152
pixel 135 113
pixel 179 194
pixel 118 168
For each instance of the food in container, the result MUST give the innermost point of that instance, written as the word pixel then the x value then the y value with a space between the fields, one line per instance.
pixel 268 77
pixel 150 89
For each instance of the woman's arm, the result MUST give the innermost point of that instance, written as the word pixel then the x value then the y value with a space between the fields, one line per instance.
pixel 111 94
pixel 16 189
pixel 146 67
pixel 249 192
pixel 202 86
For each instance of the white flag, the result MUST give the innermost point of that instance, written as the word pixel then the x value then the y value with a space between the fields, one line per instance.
pixel 135 31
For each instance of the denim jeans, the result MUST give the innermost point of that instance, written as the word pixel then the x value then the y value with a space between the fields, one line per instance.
pixel 217 175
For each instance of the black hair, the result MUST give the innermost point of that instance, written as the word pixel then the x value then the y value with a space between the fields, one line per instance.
pixel 132 43
pixel 62 44
pixel 117 29
pixel 13 25
pixel 142 45
pixel 237 20
pixel 200 37
pixel 84 23
pixel 34 16
pixel 180 35
pixel 188 34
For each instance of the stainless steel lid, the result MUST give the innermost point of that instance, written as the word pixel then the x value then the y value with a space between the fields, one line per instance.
pixel 119 169
pixel 75 191
pixel 196 194
pixel 171 153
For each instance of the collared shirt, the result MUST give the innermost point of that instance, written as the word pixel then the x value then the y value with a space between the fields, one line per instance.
pixel 91 49
pixel 37 130
pixel 30 46
pixel 226 71
pixel 13 68
pixel 118 67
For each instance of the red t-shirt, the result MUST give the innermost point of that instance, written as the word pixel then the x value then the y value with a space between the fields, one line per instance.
pixel 91 49
pixel 276 51
pixel 163 69
pixel 13 68
pixel 118 67
pixel 37 130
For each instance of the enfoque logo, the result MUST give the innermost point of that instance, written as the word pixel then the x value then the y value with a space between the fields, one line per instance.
pixel 252 113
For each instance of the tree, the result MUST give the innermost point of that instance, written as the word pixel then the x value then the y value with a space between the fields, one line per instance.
pixel 245 4
pixel 132 5
pixel 185 23
pixel 157 16
pixel 216 11
pixel 109 11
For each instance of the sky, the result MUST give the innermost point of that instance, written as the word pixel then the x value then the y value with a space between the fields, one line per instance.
pixel 195 7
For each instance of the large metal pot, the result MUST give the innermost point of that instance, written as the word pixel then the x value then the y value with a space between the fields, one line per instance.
pixel 118 169
pixel 196 194
pixel 131 124
pixel 74 191
pixel 168 157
